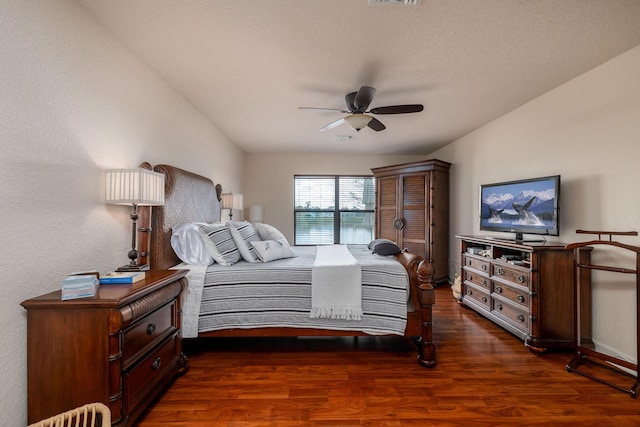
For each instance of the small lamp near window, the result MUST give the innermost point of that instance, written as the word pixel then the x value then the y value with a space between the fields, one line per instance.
pixel 135 187
pixel 256 213
pixel 231 201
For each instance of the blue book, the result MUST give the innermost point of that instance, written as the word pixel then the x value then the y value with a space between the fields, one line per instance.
pixel 121 277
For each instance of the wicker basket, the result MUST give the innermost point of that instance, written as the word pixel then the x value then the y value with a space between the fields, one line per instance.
pixel 89 415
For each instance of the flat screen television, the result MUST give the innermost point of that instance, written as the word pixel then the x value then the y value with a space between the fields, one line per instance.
pixel 526 206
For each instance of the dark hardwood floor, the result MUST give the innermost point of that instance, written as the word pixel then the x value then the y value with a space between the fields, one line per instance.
pixel 484 377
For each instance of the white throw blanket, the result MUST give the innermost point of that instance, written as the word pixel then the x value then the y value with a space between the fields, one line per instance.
pixel 336 284
pixel 191 298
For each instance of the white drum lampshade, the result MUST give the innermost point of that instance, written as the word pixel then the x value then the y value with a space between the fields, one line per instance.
pixel 256 213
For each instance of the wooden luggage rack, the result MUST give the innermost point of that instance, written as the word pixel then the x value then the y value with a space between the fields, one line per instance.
pixel 584 349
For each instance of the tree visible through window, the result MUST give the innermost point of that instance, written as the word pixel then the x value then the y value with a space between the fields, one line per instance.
pixel 333 209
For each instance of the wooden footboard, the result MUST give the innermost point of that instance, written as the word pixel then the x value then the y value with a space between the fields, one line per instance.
pixel 419 315
pixel 422 299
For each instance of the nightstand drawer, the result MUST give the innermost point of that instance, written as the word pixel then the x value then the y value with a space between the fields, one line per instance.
pixel 145 375
pixel 147 332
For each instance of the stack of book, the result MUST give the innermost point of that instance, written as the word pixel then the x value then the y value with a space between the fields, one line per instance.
pixel 79 286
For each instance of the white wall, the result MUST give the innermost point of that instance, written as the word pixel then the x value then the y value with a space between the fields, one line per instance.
pixel 74 101
pixel 269 179
pixel 588 131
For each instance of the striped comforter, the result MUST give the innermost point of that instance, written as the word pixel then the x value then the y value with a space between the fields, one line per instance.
pixel 278 294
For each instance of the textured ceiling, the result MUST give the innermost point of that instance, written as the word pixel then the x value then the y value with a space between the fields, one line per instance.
pixel 248 65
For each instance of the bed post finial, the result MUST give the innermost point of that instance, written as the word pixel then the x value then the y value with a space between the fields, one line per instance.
pixel 426 299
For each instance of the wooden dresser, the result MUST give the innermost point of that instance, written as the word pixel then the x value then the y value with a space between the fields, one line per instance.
pixel 120 347
pixel 527 288
pixel 412 209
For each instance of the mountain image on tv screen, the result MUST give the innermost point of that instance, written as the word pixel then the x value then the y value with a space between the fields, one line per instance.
pixel 519 205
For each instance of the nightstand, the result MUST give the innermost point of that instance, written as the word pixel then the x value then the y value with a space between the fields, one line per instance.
pixel 120 347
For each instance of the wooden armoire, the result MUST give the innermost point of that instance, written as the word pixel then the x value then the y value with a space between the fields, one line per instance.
pixel 412 209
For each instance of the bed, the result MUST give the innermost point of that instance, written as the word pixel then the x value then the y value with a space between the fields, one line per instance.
pixel 192 198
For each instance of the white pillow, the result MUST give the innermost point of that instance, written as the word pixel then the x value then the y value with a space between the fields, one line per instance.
pixel 187 243
pixel 243 234
pixel 270 250
pixel 220 244
pixel 269 232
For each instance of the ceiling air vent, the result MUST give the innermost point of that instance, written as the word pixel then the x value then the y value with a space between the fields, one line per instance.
pixel 394 2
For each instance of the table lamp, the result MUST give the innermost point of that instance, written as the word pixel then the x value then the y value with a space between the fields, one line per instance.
pixel 135 187
pixel 231 201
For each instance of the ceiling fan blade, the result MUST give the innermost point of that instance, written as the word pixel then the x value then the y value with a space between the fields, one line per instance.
pixel 398 109
pixel 349 99
pixel 324 109
pixel 363 98
pixel 376 125
pixel 332 124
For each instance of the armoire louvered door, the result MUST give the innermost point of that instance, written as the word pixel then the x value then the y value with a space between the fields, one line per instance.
pixel 414 212
pixel 412 209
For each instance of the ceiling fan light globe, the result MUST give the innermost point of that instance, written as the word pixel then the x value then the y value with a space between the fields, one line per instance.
pixel 358 121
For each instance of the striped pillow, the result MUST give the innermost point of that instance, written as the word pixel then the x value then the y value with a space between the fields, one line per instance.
pixel 220 244
pixel 243 234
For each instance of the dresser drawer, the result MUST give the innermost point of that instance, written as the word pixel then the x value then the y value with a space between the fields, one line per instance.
pixel 478 295
pixel 521 277
pixel 147 332
pixel 517 317
pixel 477 279
pixel 142 377
pixel 518 297
pixel 479 264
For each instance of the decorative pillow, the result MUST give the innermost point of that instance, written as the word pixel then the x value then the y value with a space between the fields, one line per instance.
pixel 220 244
pixel 270 250
pixel 187 243
pixel 269 232
pixel 376 241
pixel 384 247
pixel 243 234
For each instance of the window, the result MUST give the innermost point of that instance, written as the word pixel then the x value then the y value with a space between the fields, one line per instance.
pixel 318 219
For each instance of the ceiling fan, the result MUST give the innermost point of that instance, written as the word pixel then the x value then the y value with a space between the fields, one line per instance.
pixel 359 117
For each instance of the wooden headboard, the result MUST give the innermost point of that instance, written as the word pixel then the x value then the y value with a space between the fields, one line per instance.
pixel 188 198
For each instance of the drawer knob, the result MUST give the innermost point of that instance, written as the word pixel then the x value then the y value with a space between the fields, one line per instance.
pixel 484 282
pixel 484 267
pixel 468 262
pixel 520 298
pixel 151 329
pixel 499 289
pixel 469 277
pixel 499 306
pixel 469 292
pixel 521 317
pixel 484 299
pixel 521 278
pixel 500 270
pixel 156 364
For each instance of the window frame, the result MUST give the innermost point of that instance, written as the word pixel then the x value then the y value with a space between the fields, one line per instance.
pixel 336 209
